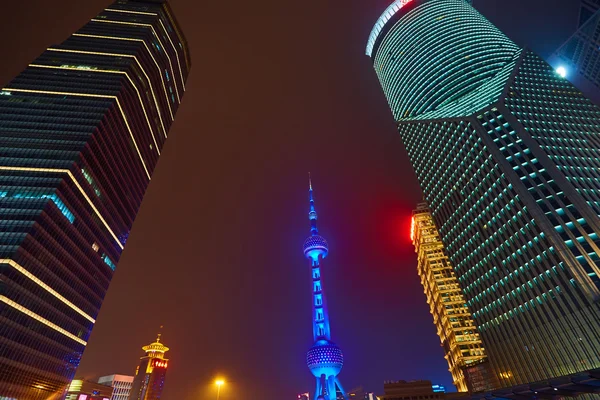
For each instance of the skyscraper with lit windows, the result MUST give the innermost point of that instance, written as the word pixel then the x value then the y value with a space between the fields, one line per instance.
pixel 81 132
pixel 506 153
pixel 453 320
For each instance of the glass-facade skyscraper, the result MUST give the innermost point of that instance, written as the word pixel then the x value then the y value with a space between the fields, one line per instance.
pixel 580 54
pixel 453 320
pixel 81 131
pixel 588 8
pixel 507 154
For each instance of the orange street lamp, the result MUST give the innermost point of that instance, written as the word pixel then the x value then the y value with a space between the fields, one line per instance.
pixel 219 383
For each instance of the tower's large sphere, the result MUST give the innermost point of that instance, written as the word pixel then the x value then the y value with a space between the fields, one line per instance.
pixel 325 358
pixel 315 246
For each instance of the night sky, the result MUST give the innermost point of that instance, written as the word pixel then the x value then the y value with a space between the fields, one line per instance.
pixel 277 89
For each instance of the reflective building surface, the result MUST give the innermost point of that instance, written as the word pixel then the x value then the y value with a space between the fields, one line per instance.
pixel 451 316
pixel 506 152
pixel 588 8
pixel 81 131
pixel 580 54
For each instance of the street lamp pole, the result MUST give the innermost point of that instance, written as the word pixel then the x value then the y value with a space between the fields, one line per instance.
pixel 219 383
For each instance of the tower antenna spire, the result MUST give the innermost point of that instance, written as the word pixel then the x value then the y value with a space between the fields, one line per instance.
pixel 159 334
pixel 312 214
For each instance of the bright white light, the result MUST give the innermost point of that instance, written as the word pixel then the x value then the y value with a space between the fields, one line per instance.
pixel 562 71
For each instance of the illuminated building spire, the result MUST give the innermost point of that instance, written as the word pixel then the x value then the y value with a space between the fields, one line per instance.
pixel 156 349
pixel 324 359
pixel 312 214
pixel 149 380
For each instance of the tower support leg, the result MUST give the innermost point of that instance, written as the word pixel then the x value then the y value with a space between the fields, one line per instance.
pixel 319 389
pixel 339 385
pixel 331 392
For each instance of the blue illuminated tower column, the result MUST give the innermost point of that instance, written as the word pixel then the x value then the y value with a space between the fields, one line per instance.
pixel 325 358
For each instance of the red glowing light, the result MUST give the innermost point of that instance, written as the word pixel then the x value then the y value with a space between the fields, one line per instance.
pixel 159 363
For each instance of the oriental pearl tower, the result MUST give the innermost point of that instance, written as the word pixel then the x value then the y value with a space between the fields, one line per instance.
pixel 325 358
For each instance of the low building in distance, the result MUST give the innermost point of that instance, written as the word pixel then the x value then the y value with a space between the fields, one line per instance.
pixel 409 390
pixel 121 385
pixel 360 393
pixel 81 389
pixel 438 388
pixel 149 380
pixel 417 390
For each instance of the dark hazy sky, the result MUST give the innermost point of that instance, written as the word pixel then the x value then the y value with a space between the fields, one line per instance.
pixel 277 89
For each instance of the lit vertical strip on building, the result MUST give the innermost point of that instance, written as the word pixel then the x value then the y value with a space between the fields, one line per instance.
pixel 453 321
pixel 81 131
pixel 506 152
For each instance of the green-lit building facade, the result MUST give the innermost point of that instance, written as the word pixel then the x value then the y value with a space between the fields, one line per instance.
pixel 507 154
pixel 81 132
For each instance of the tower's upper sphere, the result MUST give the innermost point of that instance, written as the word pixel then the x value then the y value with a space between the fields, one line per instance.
pixel 315 246
pixel 325 358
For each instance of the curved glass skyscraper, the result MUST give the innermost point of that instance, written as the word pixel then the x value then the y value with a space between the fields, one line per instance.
pixel 507 154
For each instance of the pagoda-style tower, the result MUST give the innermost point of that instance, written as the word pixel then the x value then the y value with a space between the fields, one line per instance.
pixel 325 358
pixel 149 380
